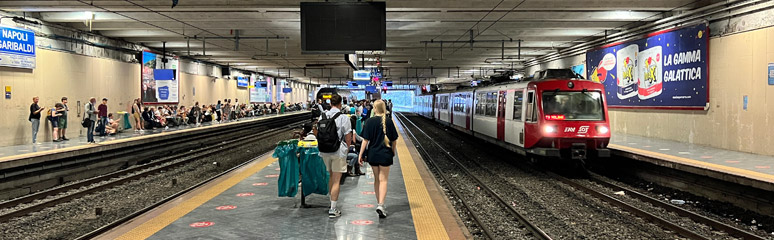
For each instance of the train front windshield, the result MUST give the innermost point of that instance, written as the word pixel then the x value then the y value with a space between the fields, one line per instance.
pixel 586 106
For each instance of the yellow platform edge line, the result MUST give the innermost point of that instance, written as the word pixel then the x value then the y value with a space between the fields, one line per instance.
pixel 427 221
pixel 157 223
pixel 697 163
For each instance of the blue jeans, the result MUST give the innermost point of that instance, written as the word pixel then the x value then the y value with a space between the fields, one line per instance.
pixel 90 131
pixel 35 127
pixel 352 159
pixel 104 122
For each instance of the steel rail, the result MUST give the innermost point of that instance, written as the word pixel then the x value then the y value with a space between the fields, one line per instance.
pixel 679 211
pixel 115 179
pixel 532 228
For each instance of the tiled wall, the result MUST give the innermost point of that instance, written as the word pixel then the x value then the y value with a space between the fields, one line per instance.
pixel 79 77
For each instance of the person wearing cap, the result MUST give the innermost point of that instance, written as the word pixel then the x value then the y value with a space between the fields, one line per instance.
pixel 103 116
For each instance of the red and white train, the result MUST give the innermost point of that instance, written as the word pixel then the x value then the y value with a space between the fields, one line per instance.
pixel 552 116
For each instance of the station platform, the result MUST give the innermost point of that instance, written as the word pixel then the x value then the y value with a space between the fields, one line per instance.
pixel 10 151
pixel 19 155
pixel 738 167
pixel 244 205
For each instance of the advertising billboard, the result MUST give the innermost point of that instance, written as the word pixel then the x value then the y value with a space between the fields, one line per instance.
pixel 664 70
pixel 160 81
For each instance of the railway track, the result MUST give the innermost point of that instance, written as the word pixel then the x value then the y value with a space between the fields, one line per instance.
pixel 676 227
pixel 587 186
pixel 487 230
pixel 76 168
pixel 52 197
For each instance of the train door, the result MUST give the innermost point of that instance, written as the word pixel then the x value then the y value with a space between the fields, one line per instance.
pixel 468 106
pixel 454 99
pixel 531 128
pixel 514 123
pixel 501 101
pixel 433 105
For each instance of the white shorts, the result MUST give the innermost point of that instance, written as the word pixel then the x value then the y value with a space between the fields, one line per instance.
pixel 334 162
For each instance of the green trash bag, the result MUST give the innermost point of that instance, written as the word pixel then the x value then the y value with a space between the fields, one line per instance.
pixel 287 184
pixel 314 174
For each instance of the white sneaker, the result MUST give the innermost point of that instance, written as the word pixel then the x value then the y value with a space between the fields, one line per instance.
pixel 381 211
pixel 334 213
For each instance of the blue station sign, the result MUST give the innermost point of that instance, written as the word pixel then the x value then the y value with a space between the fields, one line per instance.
pixel 17 48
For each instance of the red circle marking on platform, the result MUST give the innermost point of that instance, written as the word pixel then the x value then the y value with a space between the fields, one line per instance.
pixel 364 205
pixel 732 161
pixel 272 175
pixel 260 184
pixel 245 194
pixel 706 157
pixel 763 167
pixel 277 169
pixel 226 207
pixel 201 224
pixel 368 193
pixel 362 222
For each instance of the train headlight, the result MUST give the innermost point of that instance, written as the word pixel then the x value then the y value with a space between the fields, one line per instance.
pixel 602 129
pixel 549 129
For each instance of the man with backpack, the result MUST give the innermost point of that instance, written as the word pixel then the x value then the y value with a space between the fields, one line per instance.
pixel 90 117
pixel 316 111
pixel 334 139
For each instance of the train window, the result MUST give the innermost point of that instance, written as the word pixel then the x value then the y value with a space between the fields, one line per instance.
pixel 480 102
pixel 574 105
pixel 445 102
pixel 531 106
pixel 459 103
pixel 491 104
pixel 518 99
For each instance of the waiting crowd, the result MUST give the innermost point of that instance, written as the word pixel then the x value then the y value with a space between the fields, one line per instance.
pixel 99 121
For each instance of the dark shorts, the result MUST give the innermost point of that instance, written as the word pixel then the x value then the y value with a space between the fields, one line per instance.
pixel 380 162
pixel 54 122
pixel 62 122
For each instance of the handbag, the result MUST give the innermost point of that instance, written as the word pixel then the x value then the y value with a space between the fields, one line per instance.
pixel 85 122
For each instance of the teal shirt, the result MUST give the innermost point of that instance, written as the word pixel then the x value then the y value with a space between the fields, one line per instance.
pixel 359 126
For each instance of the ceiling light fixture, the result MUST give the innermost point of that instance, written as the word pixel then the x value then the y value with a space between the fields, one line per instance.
pixel 88 15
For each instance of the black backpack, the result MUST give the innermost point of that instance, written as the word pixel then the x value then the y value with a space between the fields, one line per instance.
pixel 316 112
pixel 328 134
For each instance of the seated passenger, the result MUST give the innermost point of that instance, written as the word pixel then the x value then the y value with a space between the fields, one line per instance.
pixel 147 118
pixel 112 127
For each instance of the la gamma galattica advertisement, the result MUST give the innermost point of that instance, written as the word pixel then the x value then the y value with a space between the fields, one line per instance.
pixel 665 70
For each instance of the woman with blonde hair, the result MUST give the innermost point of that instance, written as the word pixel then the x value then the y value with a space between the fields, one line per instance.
pixel 136 110
pixel 379 135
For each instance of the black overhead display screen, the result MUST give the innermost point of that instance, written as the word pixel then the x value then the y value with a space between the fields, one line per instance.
pixel 343 27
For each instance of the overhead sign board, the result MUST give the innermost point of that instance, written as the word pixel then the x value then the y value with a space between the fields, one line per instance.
pixel 663 70
pixel 361 75
pixel 242 81
pixel 352 60
pixel 17 48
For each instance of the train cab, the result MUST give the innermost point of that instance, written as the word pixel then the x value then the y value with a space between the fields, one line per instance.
pixel 566 118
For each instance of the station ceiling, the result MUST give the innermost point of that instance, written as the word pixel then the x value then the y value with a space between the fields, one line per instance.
pixel 205 30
